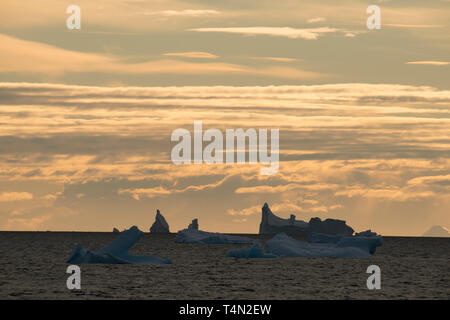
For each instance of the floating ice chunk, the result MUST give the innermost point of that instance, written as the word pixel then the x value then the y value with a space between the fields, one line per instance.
pixel 115 252
pixel 160 225
pixel 367 233
pixel 347 247
pixel 257 251
pixel 198 236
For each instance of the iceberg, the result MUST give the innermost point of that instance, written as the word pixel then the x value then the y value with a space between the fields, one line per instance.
pixel 437 231
pixel 160 225
pixel 367 233
pixel 115 252
pixel 198 236
pixel 346 247
pixel 193 225
pixel 315 237
pixel 271 224
pixel 257 251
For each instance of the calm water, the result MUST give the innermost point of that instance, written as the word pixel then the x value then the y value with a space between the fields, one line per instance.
pixel 32 266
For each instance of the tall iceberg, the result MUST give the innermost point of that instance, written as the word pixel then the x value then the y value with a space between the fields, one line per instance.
pixel 160 225
pixel 271 224
pixel 115 252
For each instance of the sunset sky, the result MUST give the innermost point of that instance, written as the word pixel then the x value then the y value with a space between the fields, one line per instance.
pixel 86 115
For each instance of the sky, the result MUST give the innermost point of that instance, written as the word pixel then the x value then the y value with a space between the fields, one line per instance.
pixel 87 115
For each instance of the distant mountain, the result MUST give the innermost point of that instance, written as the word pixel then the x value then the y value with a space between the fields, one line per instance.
pixel 437 231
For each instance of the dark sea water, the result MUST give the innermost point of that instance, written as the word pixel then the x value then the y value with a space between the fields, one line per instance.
pixel 32 266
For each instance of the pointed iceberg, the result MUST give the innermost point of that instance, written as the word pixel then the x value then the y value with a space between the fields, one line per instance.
pixel 115 252
pixel 160 225
pixel 437 231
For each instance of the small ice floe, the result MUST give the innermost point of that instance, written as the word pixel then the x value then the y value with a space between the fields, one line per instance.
pixel 367 233
pixel 160 225
pixel 198 236
pixel 257 251
pixel 116 252
pixel 346 247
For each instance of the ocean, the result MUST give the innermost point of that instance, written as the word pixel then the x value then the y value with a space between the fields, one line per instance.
pixel 32 266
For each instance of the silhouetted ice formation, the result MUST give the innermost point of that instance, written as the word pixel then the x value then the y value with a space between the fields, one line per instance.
pixel 116 252
pixel 271 224
pixel 257 251
pixel 345 247
pixel 367 233
pixel 437 231
pixel 160 225
pixel 193 225
pixel 198 236
pixel 115 230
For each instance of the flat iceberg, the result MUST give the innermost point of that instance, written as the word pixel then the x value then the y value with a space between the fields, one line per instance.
pixel 257 251
pixel 115 252
pixel 160 225
pixel 198 236
pixel 367 233
pixel 346 247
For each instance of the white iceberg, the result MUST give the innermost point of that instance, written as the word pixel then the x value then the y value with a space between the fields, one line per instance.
pixel 160 225
pixel 346 247
pixel 116 252
pixel 198 236
pixel 257 251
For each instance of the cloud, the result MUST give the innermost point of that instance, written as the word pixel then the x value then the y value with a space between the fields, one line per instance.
pixel 192 54
pixel 292 33
pixel 182 13
pixel 160 191
pixel 277 59
pixel 430 63
pixel 317 19
pixel 15 196
pixel 36 58
pixel 413 26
